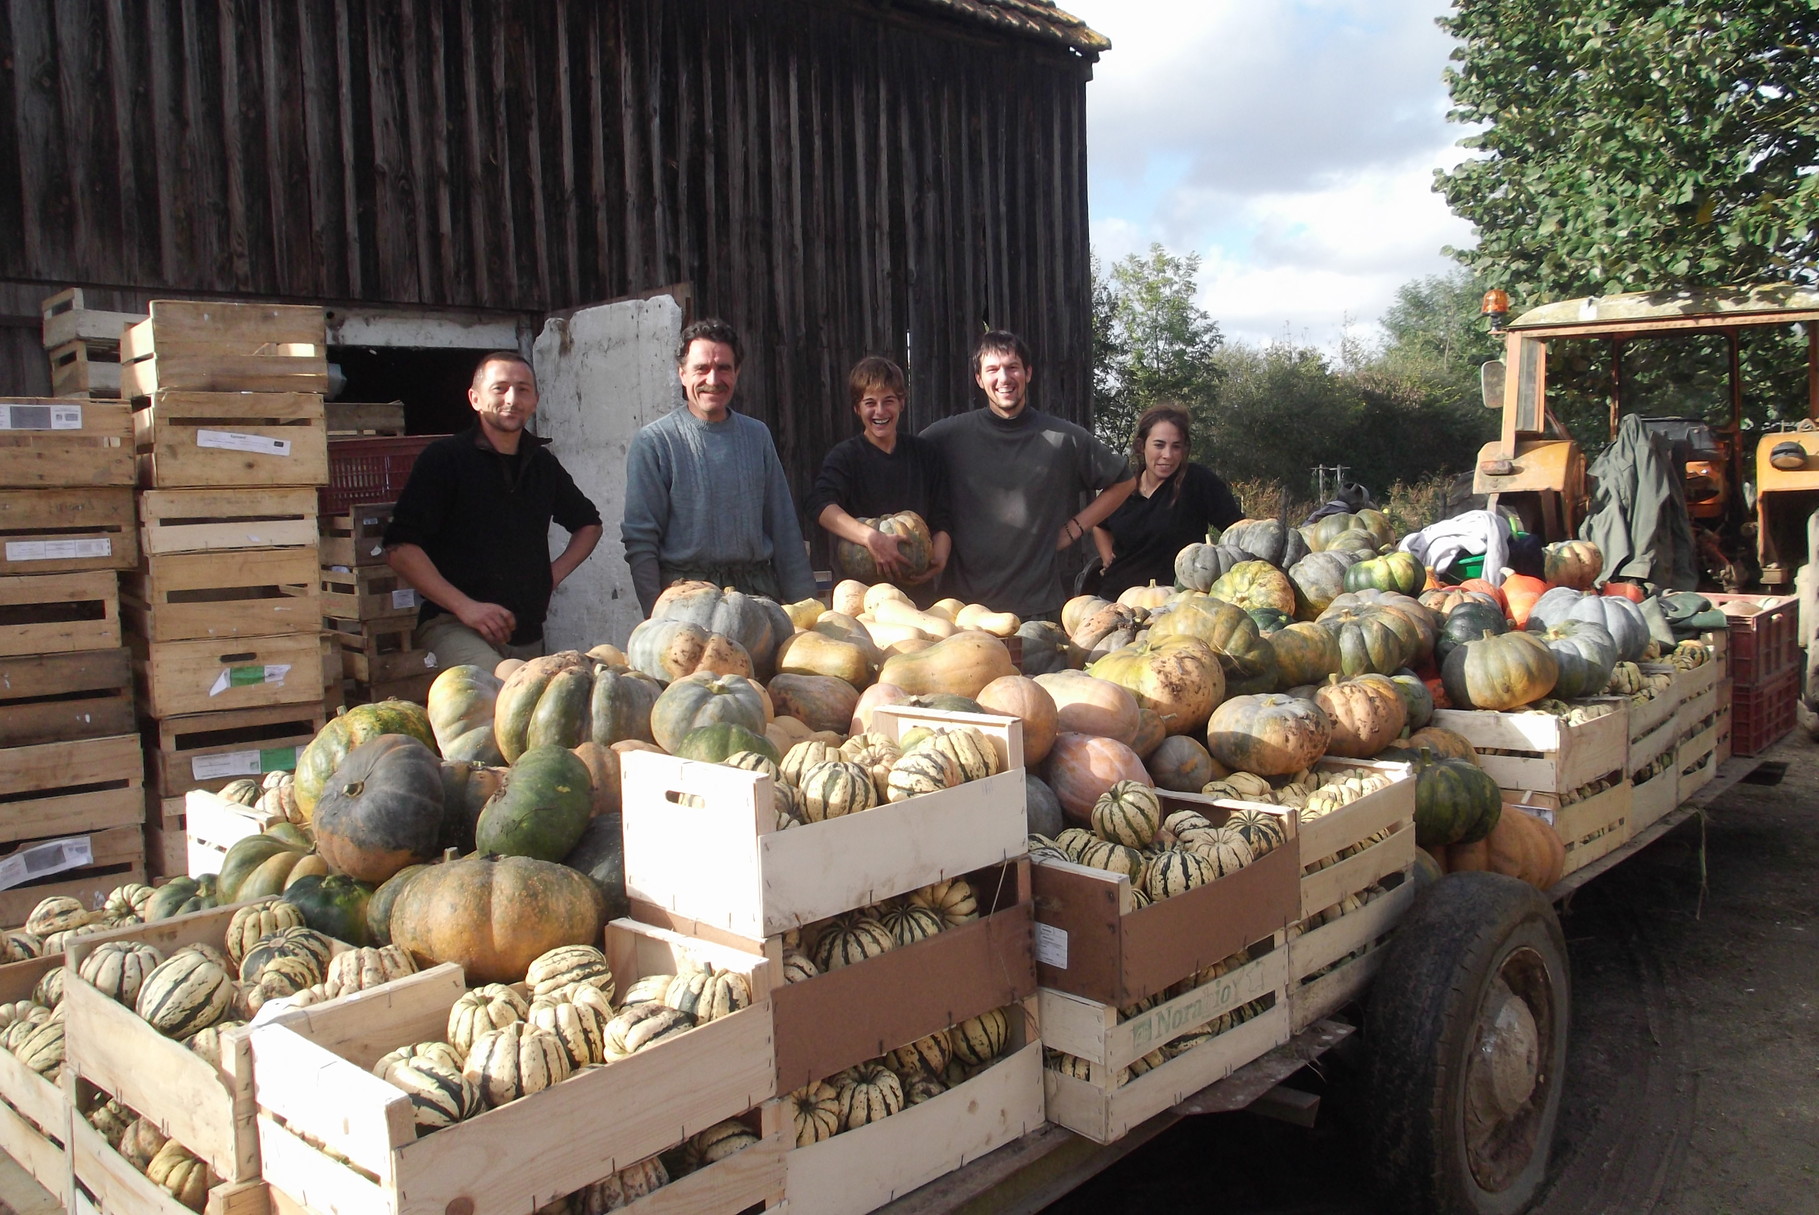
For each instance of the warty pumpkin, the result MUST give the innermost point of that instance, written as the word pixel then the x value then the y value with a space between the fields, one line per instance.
pixel 1178 677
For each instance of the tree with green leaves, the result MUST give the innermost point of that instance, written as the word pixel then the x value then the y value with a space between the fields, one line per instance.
pixel 1635 144
pixel 1151 342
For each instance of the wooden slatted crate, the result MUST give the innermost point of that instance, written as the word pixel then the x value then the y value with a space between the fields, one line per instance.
pixel 356 537
pixel 107 1182
pixel 115 856
pixel 1546 754
pixel 226 520
pixel 368 593
pixel 208 750
pixel 34 1111
pixel 381 651
pixel 83 371
pixel 204 440
pixel 69 788
pixel 221 346
pixel 65 443
pixel 1590 828
pixel 59 613
pixel 67 531
pixel 68 318
pixel 357 419
pixel 193 596
pixel 47 698
pixel 316 1095
pixel 178 678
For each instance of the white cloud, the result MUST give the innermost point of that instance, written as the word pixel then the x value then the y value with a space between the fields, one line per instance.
pixel 1291 144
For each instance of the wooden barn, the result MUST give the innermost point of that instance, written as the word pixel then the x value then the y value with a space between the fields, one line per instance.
pixel 836 177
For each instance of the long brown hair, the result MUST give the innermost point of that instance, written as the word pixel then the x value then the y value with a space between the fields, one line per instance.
pixel 1173 413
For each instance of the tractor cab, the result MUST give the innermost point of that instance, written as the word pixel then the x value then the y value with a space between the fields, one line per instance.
pixel 1679 358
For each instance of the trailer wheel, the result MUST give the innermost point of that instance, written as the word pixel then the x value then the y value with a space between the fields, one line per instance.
pixel 1466 1033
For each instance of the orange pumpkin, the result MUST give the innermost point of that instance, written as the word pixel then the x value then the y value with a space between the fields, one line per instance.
pixel 1520 593
pixel 1574 563
pixel 1081 767
pixel 1021 697
pixel 1626 590
pixel 1367 713
pixel 1525 847
pixel 1177 677
pixel 1087 705
pixel 1488 588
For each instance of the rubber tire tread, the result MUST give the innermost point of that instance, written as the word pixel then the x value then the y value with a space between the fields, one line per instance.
pixel 1422 1009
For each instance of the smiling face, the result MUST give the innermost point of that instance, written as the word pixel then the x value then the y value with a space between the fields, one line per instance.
pixel 709 373
pixel 878 410
pixel 1164 451
pixel 504 395
pixel 1005 380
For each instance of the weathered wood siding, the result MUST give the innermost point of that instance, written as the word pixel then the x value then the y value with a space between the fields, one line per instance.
pixel 835 177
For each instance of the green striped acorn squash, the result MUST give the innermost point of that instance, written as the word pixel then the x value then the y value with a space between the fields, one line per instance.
pixel 441 1094
pixel 579 1027
pixel 290 941
pixel 181 1174
pixel 754 761
pixel 954 900
pixel 281 977
pixel 920 772
pixel 707 993
pixel 1175 871
pixel 482 1009
pixel 978 1040
pixel 460 710
pixel 806 754
pixel 42 1048
pixel 570 698
pixel 719 742
pixel 849 939
pixel 541 807
pixel 1262 830
pixel 318 761
pixel 1128 813
pixel 909 922
pixel 972 752
pixel 48 990
pixel 334 906
pixel 364 968
pixel 815 1111
pixel 703 700
pixel 867 1093
pixel 243 791
pixel 929 1055
pixel 1114 858
pixel 184 993
pixel 383 809
pixel 567 964
pixel 835 788
pixel 118 969
pixel 1225 846
pixel 129 899
pixel 253 923
pixel 179 896
pixel 637 1026
pixel 516 1061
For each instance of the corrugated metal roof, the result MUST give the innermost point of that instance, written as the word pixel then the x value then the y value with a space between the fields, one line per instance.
pixel 1035 18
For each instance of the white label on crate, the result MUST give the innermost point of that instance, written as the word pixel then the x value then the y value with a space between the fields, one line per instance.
pixel 246 677
pixel 375 550
pixel 229 440
pixel 243 763
pixel 58 550
pixel 1051 946
pixel 370 522
pixel 40 417
pixel 52 856
pixel 429 659
pixel 406 598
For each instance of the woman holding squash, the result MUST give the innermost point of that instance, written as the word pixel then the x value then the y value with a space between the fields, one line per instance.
pixel 1174 504
pixel 882 496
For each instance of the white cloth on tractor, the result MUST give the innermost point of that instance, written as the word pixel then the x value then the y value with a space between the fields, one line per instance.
pixel 1476 531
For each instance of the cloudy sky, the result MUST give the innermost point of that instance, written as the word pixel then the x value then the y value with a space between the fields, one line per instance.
pixel 1290 143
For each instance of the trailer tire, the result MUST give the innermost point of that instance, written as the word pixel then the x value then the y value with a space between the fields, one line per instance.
pixel 1466 1032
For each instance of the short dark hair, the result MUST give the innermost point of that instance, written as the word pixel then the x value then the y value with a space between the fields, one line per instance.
pixel 874 372
pixel 500 356
pixel 710 330
pixel 1001 341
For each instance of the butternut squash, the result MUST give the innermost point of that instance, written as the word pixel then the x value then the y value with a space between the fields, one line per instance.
pixel 961 664
pixel 848 597
pixel 893 611
pixel 978 616
pixel 948 609
pixel 880 592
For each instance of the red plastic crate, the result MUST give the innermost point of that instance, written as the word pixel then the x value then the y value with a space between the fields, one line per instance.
pixel 1761 716
pixel 369 470
pixel 1764 647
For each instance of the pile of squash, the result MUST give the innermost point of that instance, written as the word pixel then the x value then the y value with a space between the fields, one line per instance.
pixel 878 928
pixel 909 1075
pixel 166 1163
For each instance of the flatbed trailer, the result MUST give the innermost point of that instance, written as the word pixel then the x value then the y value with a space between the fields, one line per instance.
pixel 1039 1169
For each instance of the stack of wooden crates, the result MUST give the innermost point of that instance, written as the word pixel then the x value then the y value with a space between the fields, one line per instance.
pixel 224 608
pixel 71 774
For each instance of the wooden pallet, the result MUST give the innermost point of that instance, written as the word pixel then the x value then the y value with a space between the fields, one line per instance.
pixel 255 593
pixel 208 750
pixel 59 613
pixel 67 531
pixel 203 440
pixel 364 419
pixel 179 678
pixel 65 443
pixel 356 538
pixel 226 520
pixel 216 346
pixel 368 593
pixel 34 1111
pixel 46 698
pixel 117 856
pixel 316 1095
pixel 67 788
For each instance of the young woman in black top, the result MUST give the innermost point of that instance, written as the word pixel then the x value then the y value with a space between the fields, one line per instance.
pixel 1173 505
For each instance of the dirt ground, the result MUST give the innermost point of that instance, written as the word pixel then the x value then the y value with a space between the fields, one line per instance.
pixel 1693 1077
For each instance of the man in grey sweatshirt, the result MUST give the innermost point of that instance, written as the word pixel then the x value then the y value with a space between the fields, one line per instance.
pixel 705 494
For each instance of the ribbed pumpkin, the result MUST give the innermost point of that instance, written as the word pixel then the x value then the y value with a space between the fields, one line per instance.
pixel 703 700
pixel 460 710
pixel 1081 767
pixel 494 916
pixel 1620 617
pixel 836 788
pixel 382 809
pixel 1399 572
pixel 849 939
pixel 179 896
pixel 913 542
pixel 1305 653
pixel 1370 639
pixel 1319 579
pixel 183 994
pixel 867 1093
pixel 1180 764
pixel 1456 802
pixel 569 964
pixel 1046 648
pixel 1247 660
pixel 815 1112
pixel 568 698
pixel 920 772
pixel 318 761
pixel 1268 540
pixel 758 624
pixel 1254 584
pixel 1443 742
pixel 515 1061
pixel 1128 813
pixel 1572 563
pixel 118 969
pixel 440 1093
pixel 1198 566
pixel 978 1040
pixel 1468 622
pixel 1271 735
pixel 1180 678
pixel 1585 653
pixel 708 993
pixel 1499 672
pixel 1175 871
pixel 483 1009
pixel 581 1028
pixel 540 808
pixel 1367 714
pixel 668 650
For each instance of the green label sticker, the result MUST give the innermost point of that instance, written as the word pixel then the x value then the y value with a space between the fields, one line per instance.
pixel 277 759
pixel 245 677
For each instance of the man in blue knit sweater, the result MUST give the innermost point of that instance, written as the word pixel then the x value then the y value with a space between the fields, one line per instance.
pixel 705 495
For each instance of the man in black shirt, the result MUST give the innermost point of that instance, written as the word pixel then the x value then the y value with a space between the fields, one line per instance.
pixel 880 472
pixel 471 529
